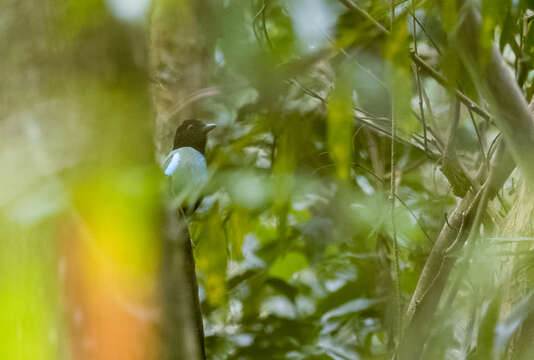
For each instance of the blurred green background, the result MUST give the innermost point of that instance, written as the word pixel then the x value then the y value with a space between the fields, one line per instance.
pixel 336 162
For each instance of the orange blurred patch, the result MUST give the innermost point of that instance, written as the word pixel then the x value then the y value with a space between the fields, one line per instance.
pixel 110 315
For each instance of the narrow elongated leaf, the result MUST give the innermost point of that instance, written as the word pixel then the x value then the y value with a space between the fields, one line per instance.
pixel 507 327
pixel 340 126
pixel 350 307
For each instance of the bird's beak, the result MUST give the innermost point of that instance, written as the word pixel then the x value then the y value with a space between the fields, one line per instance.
pixel 209 127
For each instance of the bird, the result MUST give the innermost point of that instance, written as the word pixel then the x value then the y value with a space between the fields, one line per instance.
pixel 186 165
pixel 186 170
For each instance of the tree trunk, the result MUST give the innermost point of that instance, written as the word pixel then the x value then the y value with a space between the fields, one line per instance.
pixel 179 59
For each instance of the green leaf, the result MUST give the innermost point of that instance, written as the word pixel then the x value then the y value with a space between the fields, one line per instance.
pixel 350 308
pixel 507 327
pixel 211 256
pixel 286 265
pixel 238 226
pixel 485 341
pixel 79 15
pixel 340 120
pixel 492 16
pixel 509 29
pixel 529 42
pixel 399 78
pixel 449 11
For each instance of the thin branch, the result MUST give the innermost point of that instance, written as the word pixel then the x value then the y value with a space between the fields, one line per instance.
pixel 479 137
pixel 436 141
pixel 369 119
pixel 472 105
pixel 417 77
pixel 383 181
pixel 431 116
pixel 451 166
pixel 395 257
pixel 387 133
pixel 414 28
pixel 308 91
pixel 471 238
pixel 494 81
pixel 432 41
pixel 421 107
pixel 416 219
pixel 437 268
pixel 352 6
pixel 419 61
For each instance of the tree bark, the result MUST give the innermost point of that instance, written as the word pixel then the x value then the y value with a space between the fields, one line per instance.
pixel 183 334
pixel 180 55
pixel 179 63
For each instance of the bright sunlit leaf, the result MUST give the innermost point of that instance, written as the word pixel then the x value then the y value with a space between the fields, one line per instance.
pixel 288 264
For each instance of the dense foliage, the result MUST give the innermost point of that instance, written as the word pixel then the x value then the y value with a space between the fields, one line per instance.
pixel 361 202
pixel 299 249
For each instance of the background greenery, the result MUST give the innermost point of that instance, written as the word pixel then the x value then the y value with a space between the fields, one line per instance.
pixel 348 132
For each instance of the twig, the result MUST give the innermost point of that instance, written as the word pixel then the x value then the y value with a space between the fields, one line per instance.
pixel 426 33
pixel 419 61
pixel 428 292
pixel 472 105
pixel 416 219
pixel 417 77
pixel 421 107
pixel 436 141
pixel 414 29
pixel 352 6
pixel 442 264
pixel 395 257
pixel 479 137
pixel 382 180
pixel 480 210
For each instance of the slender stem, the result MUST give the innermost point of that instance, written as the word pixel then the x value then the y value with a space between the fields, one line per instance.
pixel 464 266
pixel 471 104
pixel 429 37
pixel 479 137
pixel 414 27
pixel 417 77
pixel 421 107
pixel 395 248
pixel 352 6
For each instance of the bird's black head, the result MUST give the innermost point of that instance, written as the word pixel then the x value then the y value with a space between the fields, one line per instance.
pixel 192 133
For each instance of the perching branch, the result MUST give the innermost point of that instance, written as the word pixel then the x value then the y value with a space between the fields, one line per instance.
pixel 450 164
pixel 435 273
pixel 512 116
pixel 498 86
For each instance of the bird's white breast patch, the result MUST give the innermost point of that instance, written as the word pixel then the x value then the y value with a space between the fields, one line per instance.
pixel 187 174
pixel 172 163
